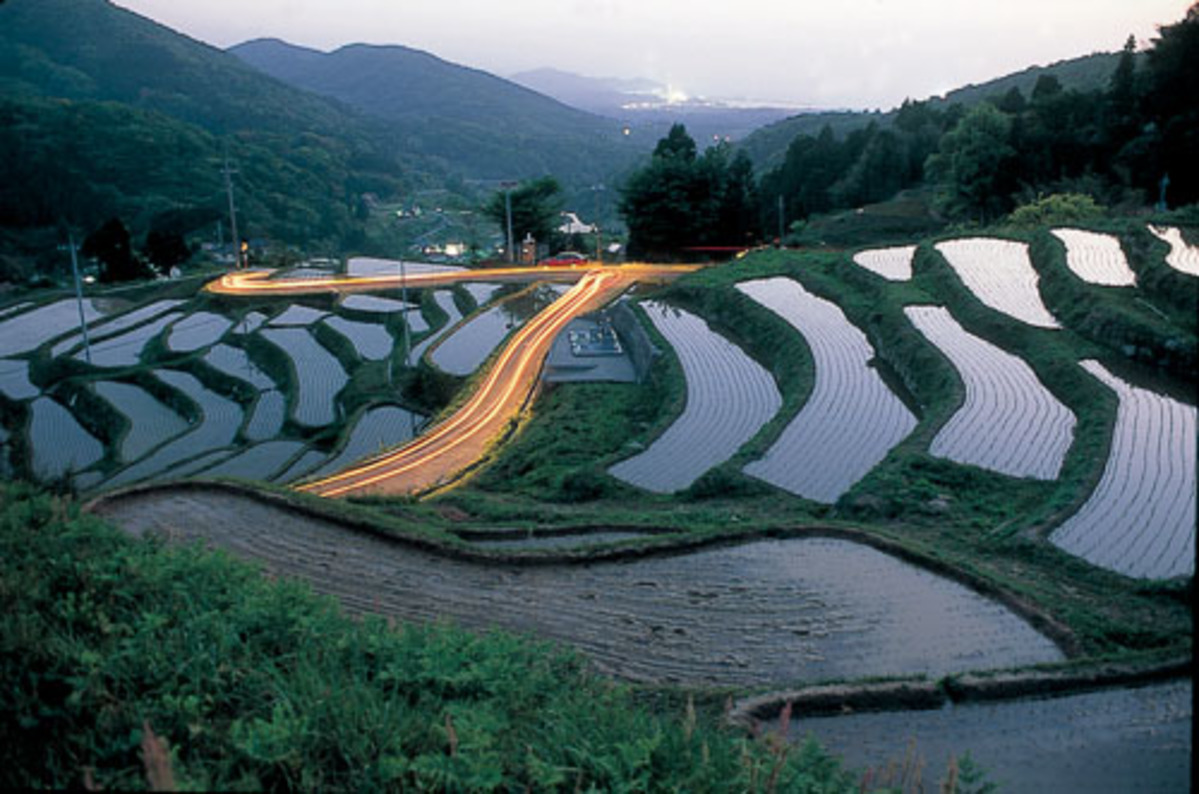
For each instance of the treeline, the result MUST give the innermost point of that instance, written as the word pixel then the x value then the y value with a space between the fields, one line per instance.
pixel 1117 145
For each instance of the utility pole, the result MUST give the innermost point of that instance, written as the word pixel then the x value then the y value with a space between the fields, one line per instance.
pixel 781 220
pixel 507 186
pixel 228 172
pixel 599 257
pixel 87 345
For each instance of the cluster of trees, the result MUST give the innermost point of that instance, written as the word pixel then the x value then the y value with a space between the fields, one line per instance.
pixel 111 245
pixel 683 199
pixel 823 173
pixel 1131 143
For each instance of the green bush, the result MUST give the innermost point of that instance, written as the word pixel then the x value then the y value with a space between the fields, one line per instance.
pixel 1058 209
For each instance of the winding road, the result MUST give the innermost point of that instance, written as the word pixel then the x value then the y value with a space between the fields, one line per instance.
pixel 442 455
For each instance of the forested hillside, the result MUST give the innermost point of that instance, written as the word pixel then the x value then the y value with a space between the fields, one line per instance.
pixel 136 125
pixel 474 123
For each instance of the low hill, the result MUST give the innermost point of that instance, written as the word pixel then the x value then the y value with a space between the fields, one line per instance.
pixel 767 146
pixel 477 124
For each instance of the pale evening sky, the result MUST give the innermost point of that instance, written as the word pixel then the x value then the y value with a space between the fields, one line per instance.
pixel 822 53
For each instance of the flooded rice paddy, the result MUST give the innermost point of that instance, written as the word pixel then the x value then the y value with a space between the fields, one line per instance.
pixel 236 363
pixel 197 331
pixel 1009 422
pixel 217 428
pixel 319 375
pixel 471 343
pixel 269 413
pixel 110 327
pixel 125 350
pixel 1140 521
pixel 1115 740
pixel 1096 258
pixel 445 300
pixel 297 315
pixel 768 612
pixel 1001 275
pixel 150 422
pixel 259 462
pixel 370 340
pixel 729 397
pixel 377 429
pixel 893 264
pixel 23 332
pixel 851 420
pixel 1183 256
pixel 60 445
pixel 14 380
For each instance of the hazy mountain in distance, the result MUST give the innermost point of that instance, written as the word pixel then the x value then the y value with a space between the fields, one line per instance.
pixel 649 108
pixel 479 125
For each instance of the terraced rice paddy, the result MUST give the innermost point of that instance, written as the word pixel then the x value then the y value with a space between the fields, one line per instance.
pixel 125 350
pixel 268 415
pixel 250 323
pixel 370 340
pixel 761 613
pixel 303 465
pixel 60 445
pixel 445 300
pixel 112 326
pixel 482 293
pixel 729 397
pixel 15 308
pixel 851 420
pixel 297 316
pixel 197 331
pixel 893 264
pixel 319 375
pixel 1009 422
pixel 1096 258
pixel 1140 521
pixel 1109 741
pixel 236 363
pixel 14 380
pixel 471 343
pixel 368 266
pixel 150 422
pixel 377 429
pixel 216 430
pixel 259 462
pixel 33 328
pixel 1000 274
pixel 1183 257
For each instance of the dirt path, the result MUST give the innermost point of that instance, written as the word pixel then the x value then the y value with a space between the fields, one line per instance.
pixel 764 613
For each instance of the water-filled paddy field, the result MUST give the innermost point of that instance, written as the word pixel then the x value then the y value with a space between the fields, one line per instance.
pixel 1008 422
pixel 1000 274
pixel 760 613
pixel 852 418
pixel 1128 739
pixel 729 398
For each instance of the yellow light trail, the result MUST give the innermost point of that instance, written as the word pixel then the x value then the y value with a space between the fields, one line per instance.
pixel 445 452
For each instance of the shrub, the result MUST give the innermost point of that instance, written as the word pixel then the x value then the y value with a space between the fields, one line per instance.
pixel 1058 209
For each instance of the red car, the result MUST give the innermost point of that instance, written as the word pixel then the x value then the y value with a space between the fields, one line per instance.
pixel 564 259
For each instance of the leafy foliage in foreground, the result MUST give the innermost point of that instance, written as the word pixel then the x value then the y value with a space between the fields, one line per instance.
pixel 126 663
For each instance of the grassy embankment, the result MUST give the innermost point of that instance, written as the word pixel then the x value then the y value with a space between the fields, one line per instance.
pixel 130 664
